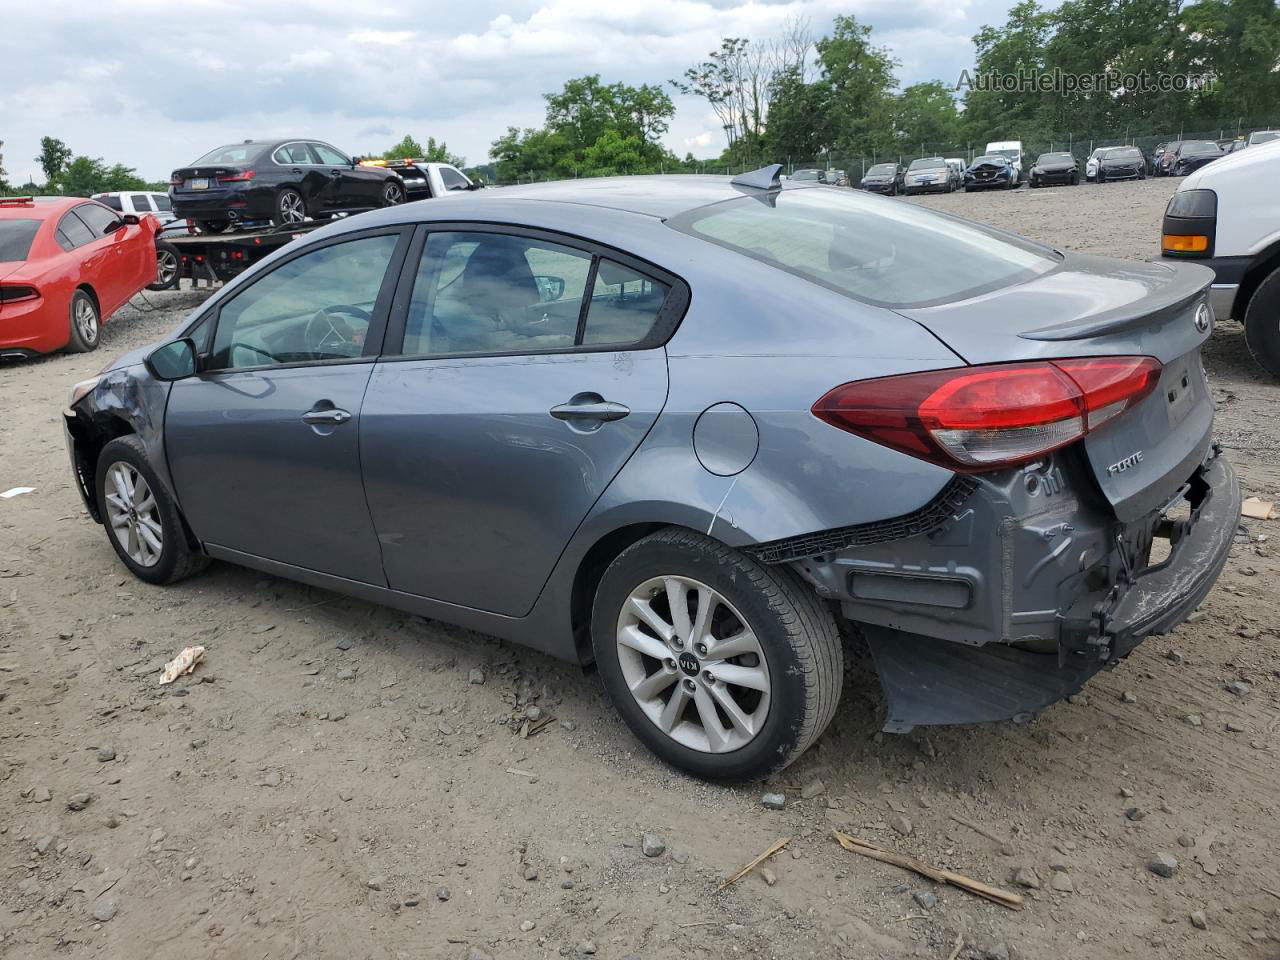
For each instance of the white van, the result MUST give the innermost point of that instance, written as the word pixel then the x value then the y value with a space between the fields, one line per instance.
pixel 1011 149
pixel 1226 215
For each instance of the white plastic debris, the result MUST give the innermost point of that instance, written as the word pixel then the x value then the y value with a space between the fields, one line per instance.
pixel 16 492
pixel 182 664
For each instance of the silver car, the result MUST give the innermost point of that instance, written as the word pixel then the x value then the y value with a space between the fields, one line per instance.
pixel 701 432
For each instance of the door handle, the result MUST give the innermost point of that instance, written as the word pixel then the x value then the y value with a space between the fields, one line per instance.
pixel 332 416
pixel 604 410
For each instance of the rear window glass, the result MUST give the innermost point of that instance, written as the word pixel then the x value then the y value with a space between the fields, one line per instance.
pixel 1125 153
pixel 927 164
pixel 233 153
pixel 15 239
pixel 881 170
pixel 888 253
pixel 1200 147
pixel 1055 158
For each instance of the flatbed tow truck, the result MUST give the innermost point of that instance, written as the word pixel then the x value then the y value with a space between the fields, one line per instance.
pixel 219 257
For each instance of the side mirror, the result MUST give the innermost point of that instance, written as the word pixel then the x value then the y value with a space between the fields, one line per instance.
pixel 175 360
pixel 476 185
pixel 549 288
pixel 131 219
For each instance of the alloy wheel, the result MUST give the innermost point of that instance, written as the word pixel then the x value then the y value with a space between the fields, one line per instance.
pixel 166 267
pixel 392 195
pixel 86 320
pixel 693 664
pixel 134 514
pixel 291 208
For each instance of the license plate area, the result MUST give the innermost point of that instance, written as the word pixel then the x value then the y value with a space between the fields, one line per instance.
pixel 198 183
pixel 1179 394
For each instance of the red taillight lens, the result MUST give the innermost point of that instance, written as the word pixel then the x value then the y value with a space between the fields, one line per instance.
pixel 175 181
pixel 17 294
pixel 243 177
pixel 972 419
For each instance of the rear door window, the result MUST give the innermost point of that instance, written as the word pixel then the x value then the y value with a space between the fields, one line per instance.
pixel 141 203
pixel 162 202
pixel 890 254
pixel 15 239
pixel 625 304
pixel 72 232
pixel 294 154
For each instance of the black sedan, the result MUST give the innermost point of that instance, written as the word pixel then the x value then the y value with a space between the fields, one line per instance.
pixel 1054 168
pixel 1121 163
pixel 1192 155
pixel 884 178
pixel 992 171
pixel 281 181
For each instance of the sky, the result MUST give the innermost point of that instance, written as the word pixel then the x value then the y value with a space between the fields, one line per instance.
pixel 154 84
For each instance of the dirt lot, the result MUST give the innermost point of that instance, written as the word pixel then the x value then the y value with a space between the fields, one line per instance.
pixel 333 783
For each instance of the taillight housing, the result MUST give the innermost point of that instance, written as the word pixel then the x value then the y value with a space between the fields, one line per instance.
pixel 243 177
pixel 175 181
pixel 17 294
pixel 975 419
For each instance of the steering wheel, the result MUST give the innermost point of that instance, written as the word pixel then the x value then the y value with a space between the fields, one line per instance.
pixel 329 333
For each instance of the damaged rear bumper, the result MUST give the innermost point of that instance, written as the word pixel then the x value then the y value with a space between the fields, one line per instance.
pixel 930 681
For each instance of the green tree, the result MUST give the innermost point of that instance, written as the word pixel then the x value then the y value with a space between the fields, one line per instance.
pixel 1017 47
pixel 925 117
pixel 433 152
pixel 800 121
pixel 860 81
pixel 54 155
pixel 1237 44
pixel 84 176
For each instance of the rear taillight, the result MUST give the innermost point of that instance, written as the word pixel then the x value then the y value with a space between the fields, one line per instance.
pixel 16 294
pixel 972 419
pixel 243 177
pixel 175 181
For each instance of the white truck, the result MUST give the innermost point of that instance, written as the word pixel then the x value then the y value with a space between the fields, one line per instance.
pixel 1013 150
pixel 1226 215
pixel 425 179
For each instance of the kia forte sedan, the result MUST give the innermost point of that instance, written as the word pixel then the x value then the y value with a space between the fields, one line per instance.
pixel 699 432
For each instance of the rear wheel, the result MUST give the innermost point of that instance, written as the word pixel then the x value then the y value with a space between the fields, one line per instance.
pixel 212 226
pixel 392 194
pixel 168 262
pixel 86 323
pixel 1262 324
pixel 722 666
pixel 289 208
pixel 142 521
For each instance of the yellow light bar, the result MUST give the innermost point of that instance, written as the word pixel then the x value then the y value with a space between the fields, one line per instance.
pixel 1192 244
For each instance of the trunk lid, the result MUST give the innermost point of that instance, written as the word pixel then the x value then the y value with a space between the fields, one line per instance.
pixel 203 180
pixel 1091 306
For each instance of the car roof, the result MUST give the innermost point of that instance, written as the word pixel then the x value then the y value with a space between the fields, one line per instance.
pixel 40 208
pixel 653 196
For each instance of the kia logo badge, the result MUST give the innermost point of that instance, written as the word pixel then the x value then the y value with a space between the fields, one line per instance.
pixel 1204 319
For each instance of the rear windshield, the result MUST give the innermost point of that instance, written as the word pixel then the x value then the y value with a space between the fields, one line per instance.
pixel 888 253
pixel 1124 153
pixel 1200 147
pixel 882 170
pixel 927 164
pixel 15 239
pixel 235 153
pixel 805 175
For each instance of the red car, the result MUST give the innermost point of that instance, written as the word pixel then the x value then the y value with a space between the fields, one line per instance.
pixel 66 265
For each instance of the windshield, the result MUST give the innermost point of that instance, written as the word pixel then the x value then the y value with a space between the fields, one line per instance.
pixel 888 253
pixel 998 160
pixel 1055 158
pixel 235 153
pixel 1011 154
pixel 15 239
pixel 1124 153
pixel 1199 148
pixel 927 164
pixel 1264 136
pixel 882 170
pixel 805 175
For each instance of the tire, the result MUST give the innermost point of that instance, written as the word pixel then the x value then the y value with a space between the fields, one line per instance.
pixel 85 320
pixel 212 226
pixel 168 266
pixel 392 194
pixel 289 208
pixel 792 646
pixel 1262 324
pixel 176 558
pixel 1075 179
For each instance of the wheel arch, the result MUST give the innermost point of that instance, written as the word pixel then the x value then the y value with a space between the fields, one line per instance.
pixel 1265 262
pixel 591 568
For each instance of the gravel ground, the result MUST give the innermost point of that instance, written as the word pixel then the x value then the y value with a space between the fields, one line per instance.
pixel 334 782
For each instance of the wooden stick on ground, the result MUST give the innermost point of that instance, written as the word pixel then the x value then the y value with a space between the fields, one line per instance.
pixel 754 863
pixel 868 849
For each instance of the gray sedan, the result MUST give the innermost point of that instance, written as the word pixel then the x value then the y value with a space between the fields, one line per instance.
pixel 703 433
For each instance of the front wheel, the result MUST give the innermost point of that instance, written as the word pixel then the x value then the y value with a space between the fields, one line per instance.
pixel 168 263
pixel 1262 324
pixel 142 521
pixel 392 194
pixel 724 667
pixel 289 208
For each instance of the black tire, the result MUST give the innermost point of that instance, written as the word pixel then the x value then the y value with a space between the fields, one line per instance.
pixel 392 194
pixel 1262 324
pixel 289 208
pixel 178 558
pixel 796 632
pixel 168 266
pixel 212 226
pixel 1075 179
pixel 85 320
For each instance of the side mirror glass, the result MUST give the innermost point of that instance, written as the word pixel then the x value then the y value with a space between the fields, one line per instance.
pixel 549 288
pixel 131 219
pixel 173 361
